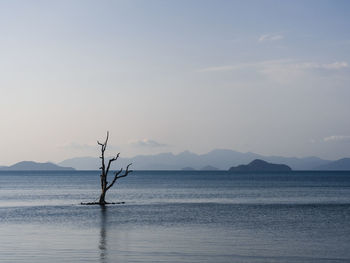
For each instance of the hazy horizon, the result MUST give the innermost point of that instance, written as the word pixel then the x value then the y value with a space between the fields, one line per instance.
pixel 110 154
pixel 269 77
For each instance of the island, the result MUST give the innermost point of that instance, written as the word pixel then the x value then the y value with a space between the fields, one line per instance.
pixel 34 166
pixel 260 166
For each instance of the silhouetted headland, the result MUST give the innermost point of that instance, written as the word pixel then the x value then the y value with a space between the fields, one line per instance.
pixel 260 166
pixel 34 166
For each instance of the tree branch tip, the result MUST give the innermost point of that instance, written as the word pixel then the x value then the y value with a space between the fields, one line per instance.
pixel 118 172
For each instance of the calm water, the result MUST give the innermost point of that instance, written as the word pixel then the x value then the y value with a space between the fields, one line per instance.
pixel 176 217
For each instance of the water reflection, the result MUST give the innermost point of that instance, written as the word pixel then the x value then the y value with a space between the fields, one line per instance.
pixel 103 235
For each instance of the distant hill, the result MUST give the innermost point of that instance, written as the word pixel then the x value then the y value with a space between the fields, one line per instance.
pixel 28 165
pixel 260 166
pixel 339 165
pixel 223 159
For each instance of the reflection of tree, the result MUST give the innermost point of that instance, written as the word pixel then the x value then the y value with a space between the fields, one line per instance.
pixel 103 235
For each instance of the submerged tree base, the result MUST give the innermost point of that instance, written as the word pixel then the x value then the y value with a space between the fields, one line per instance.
pixel 106 203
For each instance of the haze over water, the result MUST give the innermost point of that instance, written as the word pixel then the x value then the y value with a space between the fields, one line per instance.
pixel 176 217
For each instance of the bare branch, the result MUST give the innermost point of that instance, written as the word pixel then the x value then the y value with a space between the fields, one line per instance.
pixel 127 171
pixel 106 139
pixel 110 161
pixel 115 178
pixel 105 143
pixel 103 148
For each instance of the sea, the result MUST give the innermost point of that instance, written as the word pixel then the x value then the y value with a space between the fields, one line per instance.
pixel 176 216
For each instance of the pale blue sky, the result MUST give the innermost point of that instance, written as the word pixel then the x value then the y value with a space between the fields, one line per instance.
pixel 271 77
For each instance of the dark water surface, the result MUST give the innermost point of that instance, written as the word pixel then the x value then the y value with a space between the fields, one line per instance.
pixel 176 217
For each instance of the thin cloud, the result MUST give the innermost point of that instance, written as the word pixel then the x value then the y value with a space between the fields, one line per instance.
pixel 278 67
pixel 293 64
pixel 337 138
pixel 219 68
pixel 330 66
pixel 270 37
pixel 287 71
pixel 147 143
pixel 240 66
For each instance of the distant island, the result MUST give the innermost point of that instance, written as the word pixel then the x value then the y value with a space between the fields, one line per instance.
pixel 260 166
pixel 34 166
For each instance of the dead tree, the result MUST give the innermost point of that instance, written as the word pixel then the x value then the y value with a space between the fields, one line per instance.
pixel 105 185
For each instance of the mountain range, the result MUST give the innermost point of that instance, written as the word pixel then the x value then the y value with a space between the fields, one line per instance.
pixel 219 159
pixel 222 159
pixel 339 165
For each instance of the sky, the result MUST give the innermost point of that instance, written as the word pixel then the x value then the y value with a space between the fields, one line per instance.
pixel 270 77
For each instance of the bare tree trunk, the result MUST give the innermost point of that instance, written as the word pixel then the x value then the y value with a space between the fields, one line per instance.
pixel 102 200
pixel 104 172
